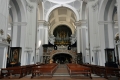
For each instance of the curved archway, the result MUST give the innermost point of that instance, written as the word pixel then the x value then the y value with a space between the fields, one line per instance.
pixel 62 34
pixel 83 11
pixel 62 16
pixel 57 6
pixel 62 28
pixel 108 16
pixel 40 11
pixel 62 58
pixel 106 10
pixel 17 16
pixel 63 23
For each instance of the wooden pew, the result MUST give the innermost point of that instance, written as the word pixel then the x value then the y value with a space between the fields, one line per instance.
pixel 29 68
pixel 75 69
pixel 36 71
pixel 91 66
pixel 44 69
pixel 8 72
pixel 99 70
pixel 109 72
pixel 104 71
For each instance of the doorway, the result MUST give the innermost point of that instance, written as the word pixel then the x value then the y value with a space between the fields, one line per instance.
pixel 62 58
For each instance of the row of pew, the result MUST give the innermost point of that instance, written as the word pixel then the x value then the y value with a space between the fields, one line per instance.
pixel 29 69
pixel 103 71
pixel 76 69
pixel 48 69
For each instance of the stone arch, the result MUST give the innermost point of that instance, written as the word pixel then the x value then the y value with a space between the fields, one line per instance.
pixel 18 14
pixel 107 9
pixel 105 14
pixel 40 11
pixel 73 56
pixel 57 6
pixel 19 19
pixel 62 58
pixel 83 10
pixel 64 23
pixel 108 16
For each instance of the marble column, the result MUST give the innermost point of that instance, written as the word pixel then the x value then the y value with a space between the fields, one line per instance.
pixel 78 34
pixel 46 25
pixel 82 40
pixel 42 38
pixel 94 37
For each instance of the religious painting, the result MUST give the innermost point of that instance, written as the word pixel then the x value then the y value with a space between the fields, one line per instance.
pixel 15 55
pixel 109 55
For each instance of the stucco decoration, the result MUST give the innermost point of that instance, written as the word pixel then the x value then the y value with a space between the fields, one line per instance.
pixel 61 1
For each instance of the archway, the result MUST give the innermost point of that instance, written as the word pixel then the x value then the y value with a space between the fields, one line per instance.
pixel 62 35
pixel 107 9
pixel 17 21
pixel 62 58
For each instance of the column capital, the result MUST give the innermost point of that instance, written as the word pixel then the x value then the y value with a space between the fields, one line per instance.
pixel 95 6
pixel 29 6
pixel 80 23
pixel 106 22
pixel 18 23
pixel 44 23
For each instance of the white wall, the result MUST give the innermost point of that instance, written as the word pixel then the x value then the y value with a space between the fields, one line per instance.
pixel 3 26
pixel 30 32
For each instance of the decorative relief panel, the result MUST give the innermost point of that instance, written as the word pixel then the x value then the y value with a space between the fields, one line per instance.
pixel 96 6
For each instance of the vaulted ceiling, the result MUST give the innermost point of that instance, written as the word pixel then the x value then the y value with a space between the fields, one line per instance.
pixel 62 16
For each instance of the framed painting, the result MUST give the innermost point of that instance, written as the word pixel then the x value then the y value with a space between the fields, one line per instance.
pixel 15 55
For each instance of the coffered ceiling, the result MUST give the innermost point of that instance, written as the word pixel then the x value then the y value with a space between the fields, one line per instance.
pixel 62 15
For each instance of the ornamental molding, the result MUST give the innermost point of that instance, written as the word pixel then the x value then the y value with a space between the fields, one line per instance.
pixel 43 22
pixel 29 6
pixel 80 23
pixel 36 1
pixel 107 22
pixel 95 6
pixel 18 23
pixel 28 50
pixel 87 1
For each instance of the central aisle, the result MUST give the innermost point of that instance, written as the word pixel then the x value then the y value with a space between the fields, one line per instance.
pixel 61 70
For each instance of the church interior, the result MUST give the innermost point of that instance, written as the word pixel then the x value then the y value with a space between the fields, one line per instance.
pixel 60 39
